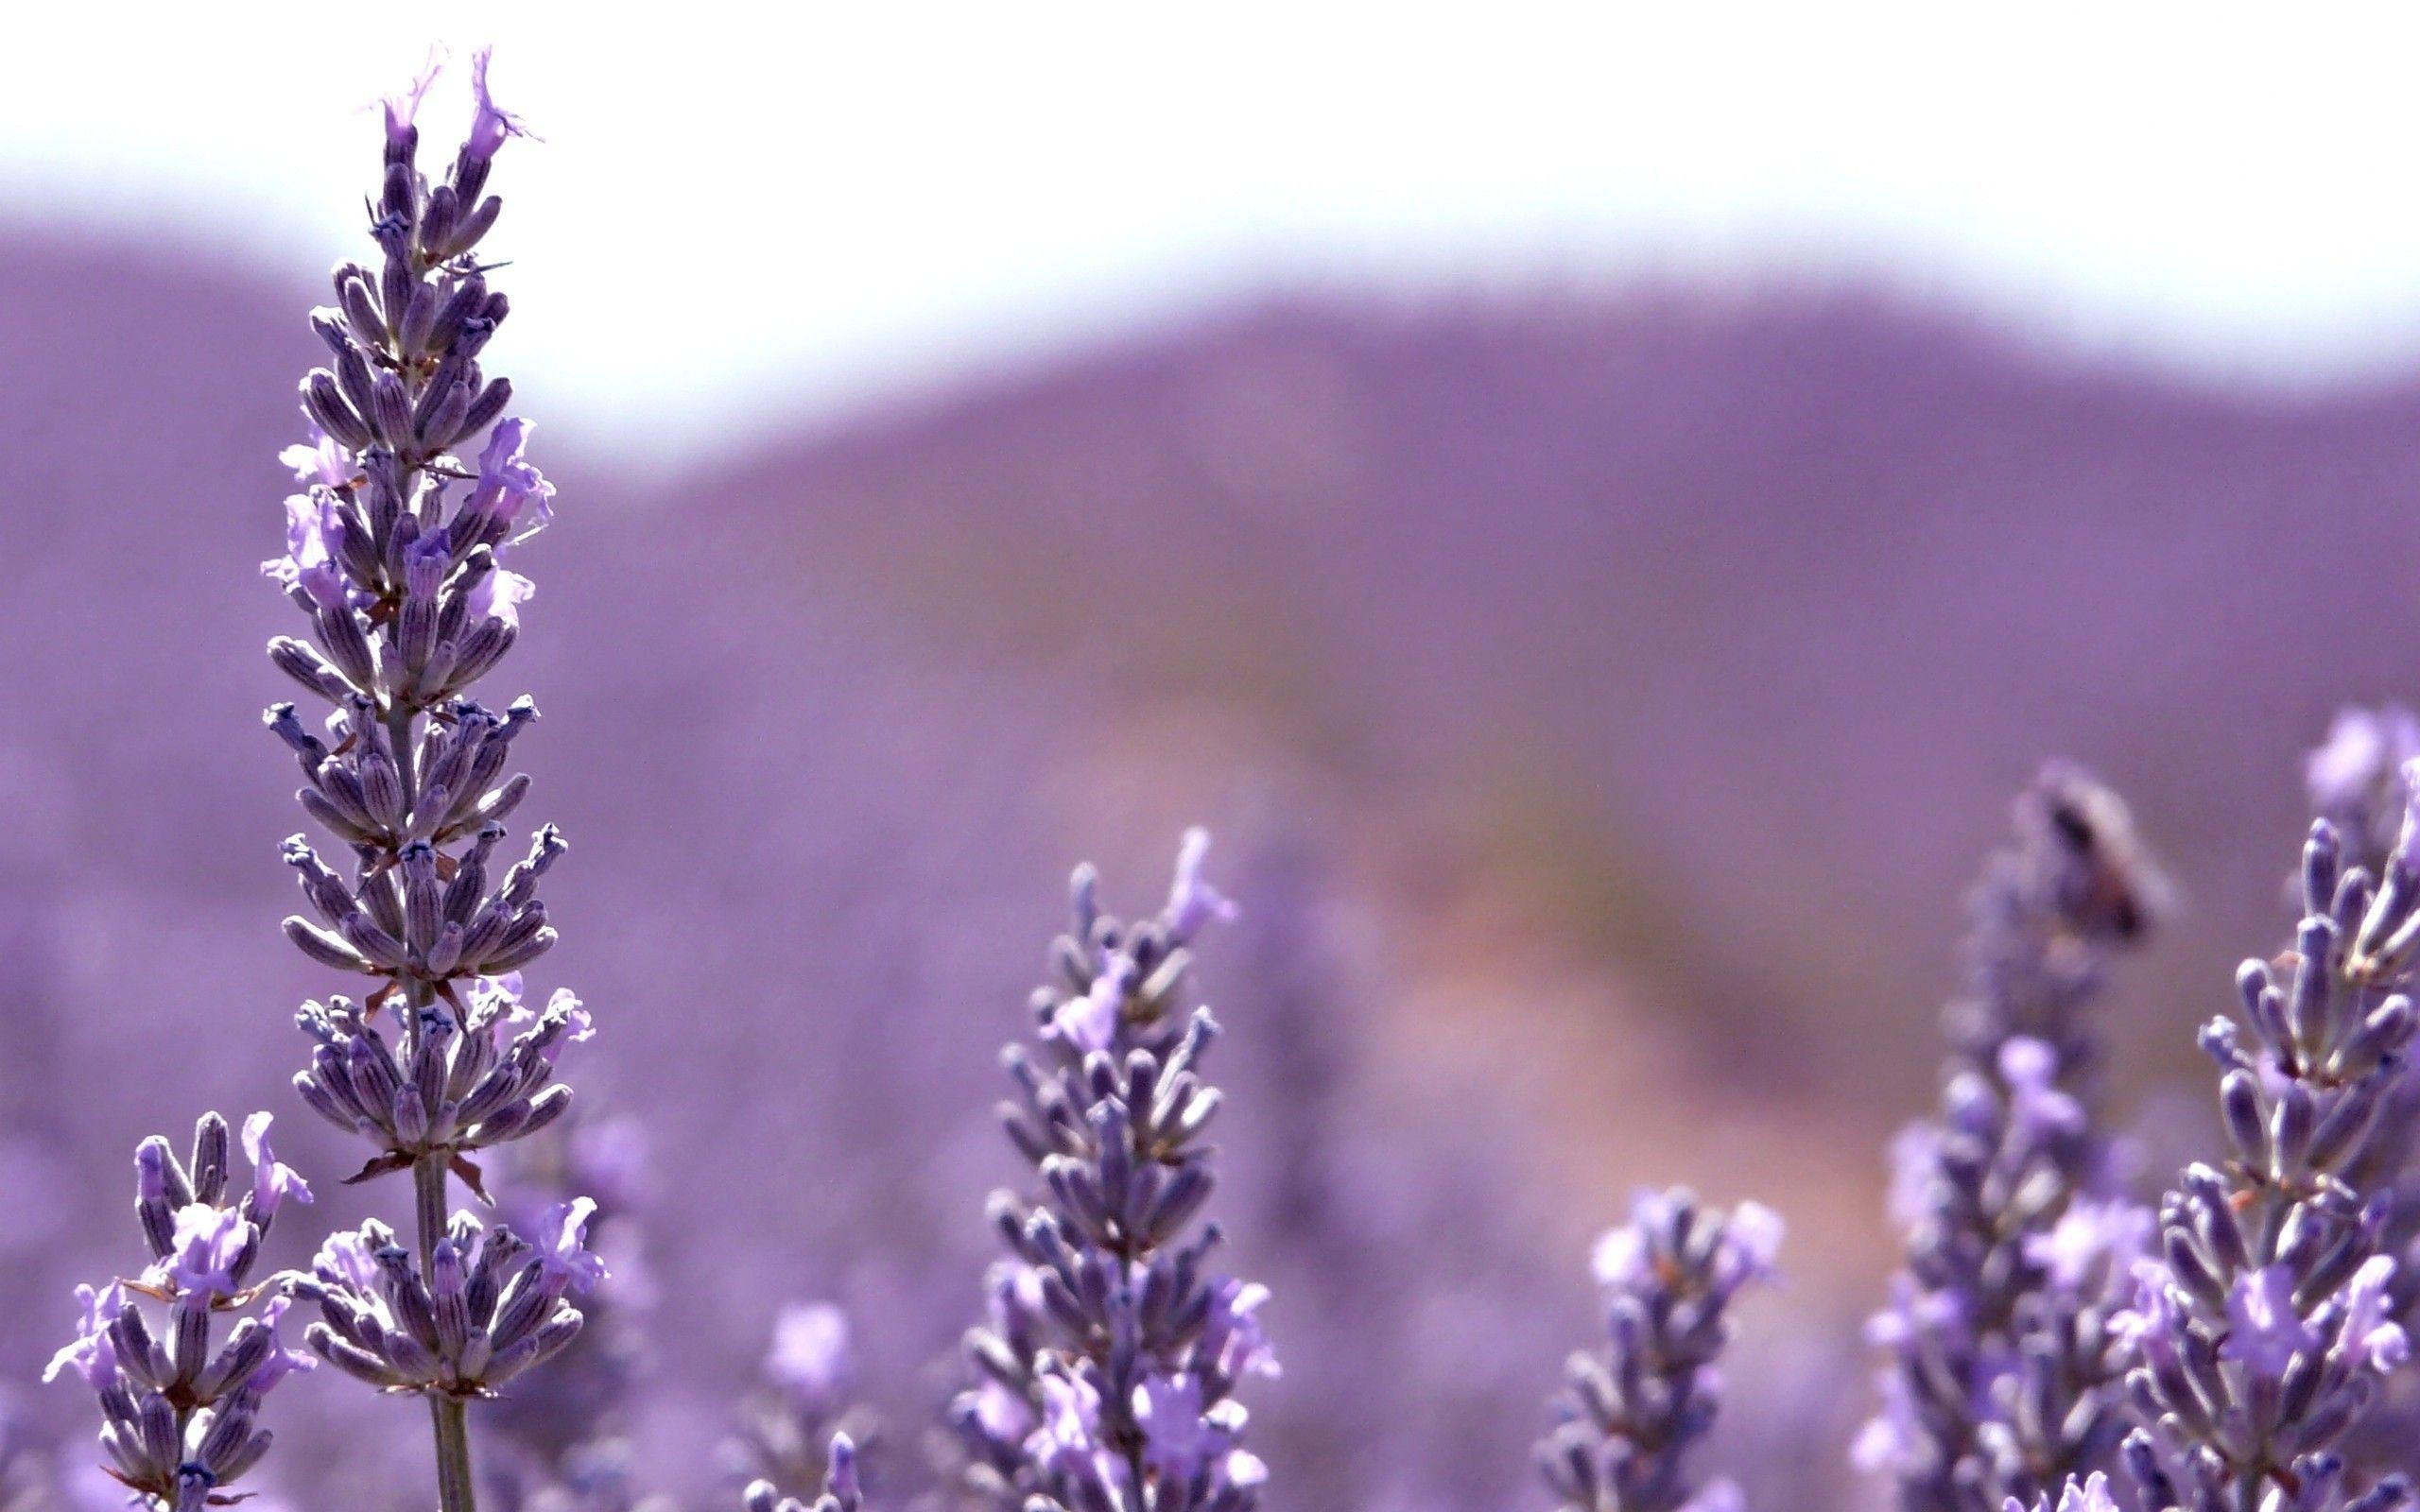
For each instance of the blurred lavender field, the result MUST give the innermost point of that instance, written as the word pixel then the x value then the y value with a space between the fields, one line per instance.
pixel 1601 704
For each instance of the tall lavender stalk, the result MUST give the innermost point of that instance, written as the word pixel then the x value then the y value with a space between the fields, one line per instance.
pixel 179 1411
pixel 2264 1326
pixel 1635 1407
pixel 395 556
pixel 2001 1374
pixel 1105 1378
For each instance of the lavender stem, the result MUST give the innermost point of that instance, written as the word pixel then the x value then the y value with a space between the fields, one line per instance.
pixel 455 1491
pixel 395 554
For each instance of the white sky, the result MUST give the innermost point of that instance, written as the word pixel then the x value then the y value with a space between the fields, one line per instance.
pixel 807 205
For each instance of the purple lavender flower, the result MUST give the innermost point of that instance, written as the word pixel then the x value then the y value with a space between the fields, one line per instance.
pixel 2263 1325
pixel 178 1411
pixel 394 554
pixel 786 1427
pixel 2090 1494
pixel 1636 1405
pixel 2003 1370
pixel 1105 1380
pixel 2355 778
pixel 810 1358
pixel 486 1308
pixel 841 1490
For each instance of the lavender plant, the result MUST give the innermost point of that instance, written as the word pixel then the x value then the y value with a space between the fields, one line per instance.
pixel 2264 1327
pixel 2002 1368
pixel 395 556
pixel 1105 1378
pixel 800 1407
pixel 179 1408
pixel 1634 1406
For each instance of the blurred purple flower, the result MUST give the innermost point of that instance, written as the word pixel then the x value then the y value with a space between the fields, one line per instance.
pixel 509 487
pixel 91 1353
pixel 491 127
pixel 810 1357
pixel 211 1241
pixel 563 1254
pixel 272 1183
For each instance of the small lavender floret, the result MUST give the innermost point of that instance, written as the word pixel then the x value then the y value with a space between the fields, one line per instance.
pixel 179 1408
pixel 2003 1370
pixel 1105 1378
pixel 1636 1405
pixel 2355 778
pixel 488 1307
pixel 2089 1494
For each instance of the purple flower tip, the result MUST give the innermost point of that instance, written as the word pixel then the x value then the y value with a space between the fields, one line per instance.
pixel 563 1251
pixel 272 1183
pixel 490 126
pixel 2363 749
pixel 2367 1329
pixel 1090 1022
pixel 278 1363
pixel 348 1259
pixel 509 487
pixel 1070 1419
pixel 840 1476
pixel 811 1355
pixel 2265 1333
pixel 1192 901
pixel 501 596
pixel 1754 1235
pixel 401 109
pixel 209 1244
pixel 90 1354
pixel 2090 1233
pixel 318 460
pixel 309 562
pixel 2036 1107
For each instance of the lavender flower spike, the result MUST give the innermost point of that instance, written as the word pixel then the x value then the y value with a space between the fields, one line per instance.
pixel 2001 1377
pixel 1636 1405
pixel 1105 1381
pixel 2262 1329
pixel 396 553
pixel 179 1410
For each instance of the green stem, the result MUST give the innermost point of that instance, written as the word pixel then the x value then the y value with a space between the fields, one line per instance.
pixel 455 1491
pixel 448 1415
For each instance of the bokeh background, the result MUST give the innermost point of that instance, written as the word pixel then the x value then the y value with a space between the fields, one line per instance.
pixel 1598 509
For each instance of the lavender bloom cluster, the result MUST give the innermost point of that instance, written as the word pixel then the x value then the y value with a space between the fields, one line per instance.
pixel 1635 1407
pixel 2264 1326
pixel 2003 1363
pixel 1105 1378
pixel 490 1306
pixel 395 554
pixel 2248 1327
pixel 180 1407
